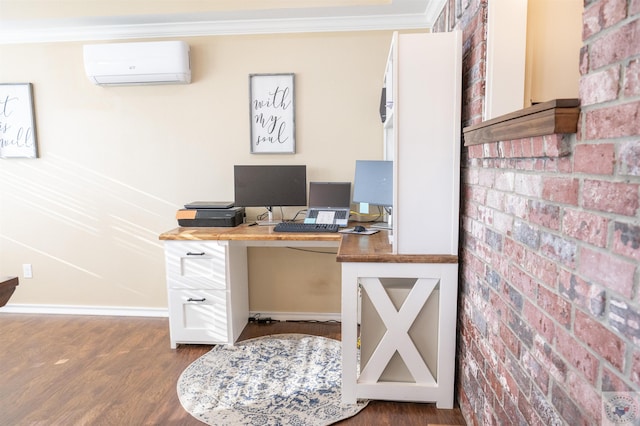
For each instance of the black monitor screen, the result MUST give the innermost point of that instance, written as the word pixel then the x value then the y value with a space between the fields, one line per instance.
pixel 329 194
pixel 268 185
pixel 373 182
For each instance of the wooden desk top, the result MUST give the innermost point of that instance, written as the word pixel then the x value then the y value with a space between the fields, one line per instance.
pixel 353 247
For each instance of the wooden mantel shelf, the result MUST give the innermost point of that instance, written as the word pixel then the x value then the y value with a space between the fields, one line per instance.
pixel 557 116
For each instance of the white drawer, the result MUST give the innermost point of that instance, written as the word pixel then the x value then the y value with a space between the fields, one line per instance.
pixel 198 316
pixel 196 264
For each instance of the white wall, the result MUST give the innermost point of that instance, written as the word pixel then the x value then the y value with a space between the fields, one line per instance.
pixel 116 163
pixel 554 40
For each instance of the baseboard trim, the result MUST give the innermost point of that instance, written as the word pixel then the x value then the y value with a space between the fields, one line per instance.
pixel 118 311
pixel 298 316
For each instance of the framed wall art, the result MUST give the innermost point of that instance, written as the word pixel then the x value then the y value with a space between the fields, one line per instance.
pixel 17 123
pixel 272 112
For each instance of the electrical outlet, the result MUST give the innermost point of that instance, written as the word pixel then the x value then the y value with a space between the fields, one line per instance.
pixel 27 272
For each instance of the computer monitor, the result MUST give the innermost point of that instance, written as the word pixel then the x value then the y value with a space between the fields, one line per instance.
pixel 373 185
pixel 270 186
pixel 373 182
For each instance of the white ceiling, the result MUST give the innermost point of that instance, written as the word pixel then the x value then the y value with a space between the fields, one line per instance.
pixel 36 21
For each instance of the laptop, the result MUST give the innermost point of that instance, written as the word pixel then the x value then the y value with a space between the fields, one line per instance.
pixel 329 202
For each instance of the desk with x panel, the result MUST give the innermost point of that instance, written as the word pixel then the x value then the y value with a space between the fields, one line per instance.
pixel 207 282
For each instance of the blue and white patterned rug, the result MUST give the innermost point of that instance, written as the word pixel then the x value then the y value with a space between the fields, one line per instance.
pixel 283 379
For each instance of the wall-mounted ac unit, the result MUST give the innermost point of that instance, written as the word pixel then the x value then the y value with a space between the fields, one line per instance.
pixel 157 62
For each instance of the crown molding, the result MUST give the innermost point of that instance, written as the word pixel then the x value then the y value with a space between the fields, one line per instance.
pixel 434 9
pixel 68 33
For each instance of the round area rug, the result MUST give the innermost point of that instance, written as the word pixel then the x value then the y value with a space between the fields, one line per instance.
pixel 284 379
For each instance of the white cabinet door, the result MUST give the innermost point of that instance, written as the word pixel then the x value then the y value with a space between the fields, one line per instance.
pixel 425 135
pixel 198 316
pixel 196 264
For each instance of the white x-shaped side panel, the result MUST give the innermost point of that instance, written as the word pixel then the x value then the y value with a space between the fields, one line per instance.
pixel 398 323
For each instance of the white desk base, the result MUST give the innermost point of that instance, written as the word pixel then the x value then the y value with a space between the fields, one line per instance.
pixel 208 284
pixel 427 386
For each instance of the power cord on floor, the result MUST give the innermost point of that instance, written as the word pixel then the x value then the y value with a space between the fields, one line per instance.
pixel 257 318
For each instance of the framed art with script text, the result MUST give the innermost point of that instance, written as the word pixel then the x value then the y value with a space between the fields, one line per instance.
pixel 17 125
pixel 272 111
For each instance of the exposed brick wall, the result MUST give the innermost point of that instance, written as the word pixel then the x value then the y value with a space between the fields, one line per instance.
pixel 549 306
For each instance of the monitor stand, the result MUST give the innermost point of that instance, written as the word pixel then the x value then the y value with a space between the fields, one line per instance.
pixel 270 221
pixel 382 225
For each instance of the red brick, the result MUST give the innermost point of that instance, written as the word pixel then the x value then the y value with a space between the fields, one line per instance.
pixel 477 230
pixel 537 372
pixel 485 215
pixel 583 66
pixel 510 340
pixel 549 164
pixel 626 240
pixel 547 215
pixel 477 194
pixel 632 79
pixel 527 164
pixel 624 319
pixel 500 263
pixel 491 150
pixel 577 355
pixel 558 249
pixel 612 122
pixel 569 411
pixel 527 148
pixel 582 294
pixel 600 339
pixel 504 180
pixel 601 86
pixel 560 190
pixel 528 184
pixel 611 382
pixel 529 412
pixel 516 206
pixel 608 270
pixel 508 382
pixel 630 158
pixel 550 359
pixel 635 366
pixel 475 151
pixel 585 226
pixel 615 45
pixel 589 400
pixel 514 251
pixel 594 159
pixel 495 342
pixel 554 305
pixel 564 165
pixel 494 384
pixel 537 145
pixel 601 15
pixel 611 197
pixel 539 321
pixel 556 145
pixel 546 271
pixel 486 177
pixel 634 7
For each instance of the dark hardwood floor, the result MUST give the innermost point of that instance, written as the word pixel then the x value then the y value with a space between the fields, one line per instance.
pixel 95 370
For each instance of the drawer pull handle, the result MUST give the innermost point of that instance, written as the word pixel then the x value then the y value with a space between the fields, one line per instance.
pixel 191 299
pixel 195 254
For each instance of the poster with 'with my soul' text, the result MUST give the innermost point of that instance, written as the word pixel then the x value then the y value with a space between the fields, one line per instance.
pixel 272 109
